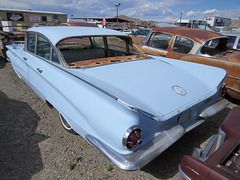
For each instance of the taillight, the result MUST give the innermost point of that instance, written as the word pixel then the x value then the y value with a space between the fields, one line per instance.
pixel 223 90
pixel 132 137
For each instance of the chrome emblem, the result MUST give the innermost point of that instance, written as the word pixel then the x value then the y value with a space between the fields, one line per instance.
pixel 179 90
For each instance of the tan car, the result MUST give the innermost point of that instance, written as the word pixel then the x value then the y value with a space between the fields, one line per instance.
pixel 195 45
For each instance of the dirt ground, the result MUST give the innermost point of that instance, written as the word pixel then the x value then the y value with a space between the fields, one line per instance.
pixel 33 144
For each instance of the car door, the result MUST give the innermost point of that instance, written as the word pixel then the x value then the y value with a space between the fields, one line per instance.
pixel 158 44
pixel 41 68
pixel 19 58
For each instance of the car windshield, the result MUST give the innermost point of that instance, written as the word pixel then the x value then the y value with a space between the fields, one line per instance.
pixel 82 52
pixel 215 47
pixel 142 32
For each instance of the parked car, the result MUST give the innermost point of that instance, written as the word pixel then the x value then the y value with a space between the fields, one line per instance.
pixel 139 34
pixel 128 105
pixel 221 157
pixel 234 40
pixel 8 38
pixel 196 45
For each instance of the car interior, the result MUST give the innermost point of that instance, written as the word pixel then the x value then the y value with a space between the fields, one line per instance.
pixel 80 52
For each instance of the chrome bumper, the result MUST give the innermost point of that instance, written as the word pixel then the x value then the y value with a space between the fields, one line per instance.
pixel 214 109
pixel 146 153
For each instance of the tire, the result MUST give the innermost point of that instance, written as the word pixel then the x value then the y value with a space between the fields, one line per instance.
pixel 65 125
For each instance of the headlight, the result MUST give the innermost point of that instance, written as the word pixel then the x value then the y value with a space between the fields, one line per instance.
pixel 132 137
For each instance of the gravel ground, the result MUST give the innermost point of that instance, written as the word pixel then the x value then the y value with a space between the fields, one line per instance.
pixel 33 145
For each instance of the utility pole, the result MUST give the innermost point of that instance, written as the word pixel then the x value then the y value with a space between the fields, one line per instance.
pixel 117 4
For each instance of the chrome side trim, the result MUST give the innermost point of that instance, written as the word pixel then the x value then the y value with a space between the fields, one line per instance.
pixel 194 125
pixel 213 109
pixel 233 77
pixel 146 153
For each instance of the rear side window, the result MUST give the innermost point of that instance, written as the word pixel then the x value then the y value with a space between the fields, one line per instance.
pixel 182 45
pixel 160 40
pixel 31 43
pixel 43 48
pixel 231 41
pixel 238 44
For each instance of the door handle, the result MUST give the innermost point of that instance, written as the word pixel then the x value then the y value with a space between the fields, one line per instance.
pixel 24 58
pixel 39 70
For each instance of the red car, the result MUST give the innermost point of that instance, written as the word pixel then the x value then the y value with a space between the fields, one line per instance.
pixel 221 157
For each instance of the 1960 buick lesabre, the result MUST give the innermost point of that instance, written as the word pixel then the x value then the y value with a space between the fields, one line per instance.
pixel 128 105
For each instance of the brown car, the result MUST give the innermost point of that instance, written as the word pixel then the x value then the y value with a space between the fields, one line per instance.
pixel 195 45
pixel 221 157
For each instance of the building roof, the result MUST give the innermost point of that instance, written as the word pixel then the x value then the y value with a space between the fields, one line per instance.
pixel 32 11
pixel 108 19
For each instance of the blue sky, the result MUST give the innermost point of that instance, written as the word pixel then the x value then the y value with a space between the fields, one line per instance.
pixel 159 10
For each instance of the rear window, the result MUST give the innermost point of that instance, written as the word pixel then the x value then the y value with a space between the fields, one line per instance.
pixel 215 47
pixel 231 41
pixel 75 43
pixel 97 50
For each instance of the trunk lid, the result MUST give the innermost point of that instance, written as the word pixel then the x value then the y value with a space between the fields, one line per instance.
pixel 154 86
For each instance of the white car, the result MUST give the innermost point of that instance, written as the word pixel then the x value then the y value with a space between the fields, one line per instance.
pixel 128 105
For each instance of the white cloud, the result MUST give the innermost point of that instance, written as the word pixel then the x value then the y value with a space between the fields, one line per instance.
pixel 143 9
pixel 191 13
pixel 234 14
pixel 212 11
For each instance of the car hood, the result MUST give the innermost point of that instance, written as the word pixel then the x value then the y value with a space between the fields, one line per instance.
pixel 153 86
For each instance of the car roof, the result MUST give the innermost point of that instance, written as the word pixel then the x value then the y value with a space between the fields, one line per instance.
pixel 231 33
pixel 197 35
pixel 57 33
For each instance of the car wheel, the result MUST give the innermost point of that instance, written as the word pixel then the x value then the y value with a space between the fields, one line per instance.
pixel 65 125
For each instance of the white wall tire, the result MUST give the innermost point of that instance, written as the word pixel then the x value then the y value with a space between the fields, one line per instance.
pixel 65 125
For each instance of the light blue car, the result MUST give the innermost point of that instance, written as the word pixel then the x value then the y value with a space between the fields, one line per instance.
pixel 129 105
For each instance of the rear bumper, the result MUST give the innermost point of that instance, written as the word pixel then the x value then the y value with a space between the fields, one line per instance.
pixel 214 109
pixel 146 153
